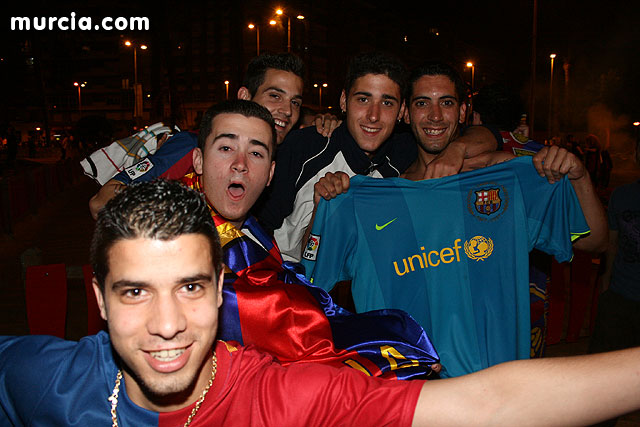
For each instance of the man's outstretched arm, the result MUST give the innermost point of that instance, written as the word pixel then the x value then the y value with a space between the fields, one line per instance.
pixel 564 391
pixel 475 140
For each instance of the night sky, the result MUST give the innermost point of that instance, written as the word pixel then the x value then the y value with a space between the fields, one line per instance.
pixel 599 40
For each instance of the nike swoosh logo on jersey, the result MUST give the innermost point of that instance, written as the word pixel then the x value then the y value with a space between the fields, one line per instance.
pixel 380 227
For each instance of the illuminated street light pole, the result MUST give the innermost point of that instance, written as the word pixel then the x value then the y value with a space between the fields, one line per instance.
pixel 251 27
pixel 320 86
pixel 226 83
pixel 280 12
pixel 473 74
pixel 552 56
pixel 135 58
pixel 79 86
pixel 137 88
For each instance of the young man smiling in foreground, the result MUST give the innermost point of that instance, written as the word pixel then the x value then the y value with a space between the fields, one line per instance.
pixel 160 363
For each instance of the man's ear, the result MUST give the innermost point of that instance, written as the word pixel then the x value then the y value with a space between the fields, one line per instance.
pixel 99 299
pixel 402 111
pixel 343 101
pixel 273 168
pixel 407 118
pixel 197 160
pixel 243 93
pixel 463 112
pixel 220 283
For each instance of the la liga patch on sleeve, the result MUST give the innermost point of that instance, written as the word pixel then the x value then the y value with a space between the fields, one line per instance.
pixel 139 169
pixel 311 250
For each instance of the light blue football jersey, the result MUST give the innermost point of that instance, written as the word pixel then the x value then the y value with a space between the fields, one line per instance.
pixel 452 252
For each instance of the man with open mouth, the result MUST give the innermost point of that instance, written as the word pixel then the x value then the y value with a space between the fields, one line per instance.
pixel 234 162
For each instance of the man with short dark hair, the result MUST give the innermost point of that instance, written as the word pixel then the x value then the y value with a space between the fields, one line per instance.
pixel 234 160
pixel 160 363
pixel 436 110
pixel 365 144
pixel 268 81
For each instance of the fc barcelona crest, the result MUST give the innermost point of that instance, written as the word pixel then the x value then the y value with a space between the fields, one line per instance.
pixel 488 201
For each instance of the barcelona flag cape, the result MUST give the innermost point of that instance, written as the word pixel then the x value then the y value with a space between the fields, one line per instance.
pixel 271 305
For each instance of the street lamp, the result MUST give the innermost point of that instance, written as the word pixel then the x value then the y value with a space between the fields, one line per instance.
pixel 128 43
pixel 79 86
pixel 320 86
pixel 251 27
pixel 473 72
pixel 137 88
pixel 226 83
pixel 552 56
pixel 280 12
